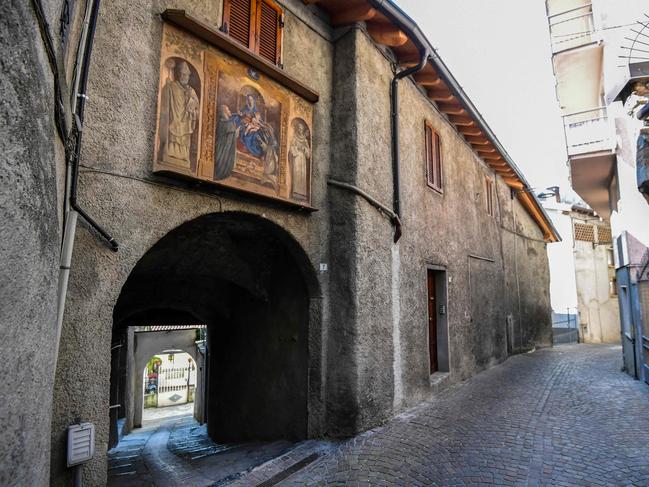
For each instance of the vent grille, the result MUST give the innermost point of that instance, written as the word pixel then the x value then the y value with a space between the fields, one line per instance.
pixel 604 235
pixel 585 233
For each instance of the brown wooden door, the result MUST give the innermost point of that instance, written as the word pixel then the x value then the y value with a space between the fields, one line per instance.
pixel 432 322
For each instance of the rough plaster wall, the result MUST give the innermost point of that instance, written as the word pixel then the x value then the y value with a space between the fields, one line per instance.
pixel 374 236
pixel 118 189
pixel 530 296
pixel 598 310
pixel 442 230
pixel 342 392
pixel 30 157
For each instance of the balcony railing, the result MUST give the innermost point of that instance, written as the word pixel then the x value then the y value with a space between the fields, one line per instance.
pixel 588 131
pixel 572 28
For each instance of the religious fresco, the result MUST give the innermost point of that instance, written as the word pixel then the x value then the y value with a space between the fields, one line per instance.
pixel 179 114
pixel 222 122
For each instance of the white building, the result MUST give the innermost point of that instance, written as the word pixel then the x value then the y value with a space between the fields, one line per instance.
pixel 582 276
pixel 589 42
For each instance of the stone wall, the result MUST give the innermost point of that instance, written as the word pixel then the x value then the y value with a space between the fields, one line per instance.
pixel 31 174
pixel 496 266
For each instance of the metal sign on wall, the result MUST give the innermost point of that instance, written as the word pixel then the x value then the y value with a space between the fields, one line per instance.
pixel 223 122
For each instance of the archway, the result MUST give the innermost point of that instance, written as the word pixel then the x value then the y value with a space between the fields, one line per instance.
pixel 250 283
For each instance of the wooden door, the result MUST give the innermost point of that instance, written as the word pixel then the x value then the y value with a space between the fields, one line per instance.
pixel 432 322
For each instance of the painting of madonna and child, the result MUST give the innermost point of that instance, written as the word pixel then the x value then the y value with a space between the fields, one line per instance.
pixel 255 146
pixel 255 135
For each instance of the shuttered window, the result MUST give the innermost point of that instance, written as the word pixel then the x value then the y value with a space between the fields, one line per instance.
pixel 490 195
pixel 257 24
pixel 433 156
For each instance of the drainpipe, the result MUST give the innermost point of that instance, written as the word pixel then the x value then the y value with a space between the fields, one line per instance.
pixel 72 208
pixel 407 25
pixel 396 146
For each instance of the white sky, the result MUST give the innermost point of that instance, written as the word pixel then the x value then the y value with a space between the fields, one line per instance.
pixel 499 51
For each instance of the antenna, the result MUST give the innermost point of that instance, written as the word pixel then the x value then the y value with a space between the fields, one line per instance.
pixel 638 43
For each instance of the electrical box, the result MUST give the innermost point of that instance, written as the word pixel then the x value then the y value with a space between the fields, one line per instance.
pixel 81 443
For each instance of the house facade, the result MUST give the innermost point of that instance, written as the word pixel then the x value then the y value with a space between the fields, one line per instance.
pixel 582 275
pixel 305 179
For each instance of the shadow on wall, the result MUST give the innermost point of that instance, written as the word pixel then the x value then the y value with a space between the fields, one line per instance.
pixel 250 282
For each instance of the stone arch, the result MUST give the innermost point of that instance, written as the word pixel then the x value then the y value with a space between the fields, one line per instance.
pixel 255 288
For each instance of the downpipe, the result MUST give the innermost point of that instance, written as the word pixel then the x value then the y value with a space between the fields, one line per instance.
pixel 72 208
pixel 396 145
pixel 406 24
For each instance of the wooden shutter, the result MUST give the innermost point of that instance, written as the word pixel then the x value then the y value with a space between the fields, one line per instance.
pixel 269 25
pixel 237 18
pixel 489 193
pixel 437 160
pixel 433 158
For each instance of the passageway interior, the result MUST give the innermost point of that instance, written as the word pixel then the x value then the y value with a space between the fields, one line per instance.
pixel 245 279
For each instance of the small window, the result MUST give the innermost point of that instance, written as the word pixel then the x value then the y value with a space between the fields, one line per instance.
pixel 257 24
pixel 433 158
pixel 490 196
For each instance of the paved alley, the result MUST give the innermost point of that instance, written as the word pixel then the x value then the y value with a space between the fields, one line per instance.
pixel 565 416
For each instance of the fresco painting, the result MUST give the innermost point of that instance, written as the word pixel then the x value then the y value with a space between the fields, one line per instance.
pixel 230 125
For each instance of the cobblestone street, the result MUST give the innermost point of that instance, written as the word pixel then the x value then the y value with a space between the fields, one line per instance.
pixel 565 416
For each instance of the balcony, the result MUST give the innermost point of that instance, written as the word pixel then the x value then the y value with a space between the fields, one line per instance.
pixel 589 131
pixel 571 28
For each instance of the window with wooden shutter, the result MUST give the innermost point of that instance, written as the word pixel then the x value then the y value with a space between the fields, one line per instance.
pixel 257 24
pixel 490 196
pixel 433 154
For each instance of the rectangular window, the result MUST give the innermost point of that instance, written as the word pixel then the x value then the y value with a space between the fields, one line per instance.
pixel 433 158
pixel 490 196
pixel 257 24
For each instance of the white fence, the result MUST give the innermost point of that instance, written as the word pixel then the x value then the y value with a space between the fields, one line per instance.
pixel 169 386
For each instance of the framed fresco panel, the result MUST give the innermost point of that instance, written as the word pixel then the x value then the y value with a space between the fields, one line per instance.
pixel 221 121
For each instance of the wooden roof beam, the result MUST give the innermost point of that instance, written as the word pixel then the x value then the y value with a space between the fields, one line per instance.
pixel 409 60
pixel 485 150
pixel 514 183
pixel 451 109
pixel 462 121
pixel 427 78
pixel 386 34
pixel 441 95
pixel 359 13
pixel 476 140
pixel 494 157
pixel 474 132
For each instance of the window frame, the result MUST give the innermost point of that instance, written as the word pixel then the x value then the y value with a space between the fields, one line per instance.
pixel 433 160
pixel 255 28
pixel 490 195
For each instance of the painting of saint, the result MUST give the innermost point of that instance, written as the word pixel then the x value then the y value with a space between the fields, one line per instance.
pixel 179 109
pixel 247 127
pixel 227 135
pixel 300 158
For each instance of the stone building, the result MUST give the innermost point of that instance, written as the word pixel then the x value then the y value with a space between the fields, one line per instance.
pixel 307 179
